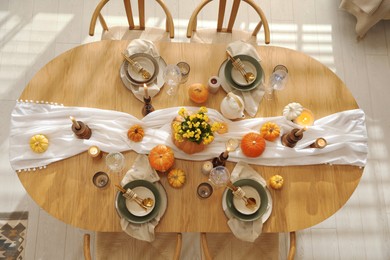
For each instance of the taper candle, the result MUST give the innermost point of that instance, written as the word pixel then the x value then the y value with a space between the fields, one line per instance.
pixel 75 123
pixel 146 93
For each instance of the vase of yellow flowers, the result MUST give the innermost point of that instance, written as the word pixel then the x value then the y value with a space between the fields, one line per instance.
pixel 192 132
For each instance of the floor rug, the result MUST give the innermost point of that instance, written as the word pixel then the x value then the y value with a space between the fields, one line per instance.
pixel 13 231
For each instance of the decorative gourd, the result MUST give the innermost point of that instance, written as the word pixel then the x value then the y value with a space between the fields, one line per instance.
pixel 161 158
pixel 136 133
pixel 270 131
pixel 39 143
pixel 198 93
pixel 292 110
pixel 176 178
pixel 252 144
pixel 276 182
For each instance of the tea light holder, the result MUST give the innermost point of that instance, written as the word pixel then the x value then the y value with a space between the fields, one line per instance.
pixel 306 118
pixel 207 167
pixel 214 83
pixel 100 179
pixel 319 143
pixel 95 152
pixel 80 129
pixel 204 190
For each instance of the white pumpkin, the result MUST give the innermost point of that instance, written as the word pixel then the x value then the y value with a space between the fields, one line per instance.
pixel 292 110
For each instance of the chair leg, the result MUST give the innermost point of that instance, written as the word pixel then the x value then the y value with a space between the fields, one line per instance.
pixel 87 247
pixel 205 247
pixel 178 247
pixel 293 246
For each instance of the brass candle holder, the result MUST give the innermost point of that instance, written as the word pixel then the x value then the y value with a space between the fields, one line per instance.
pixel 291 139
pixel 80 129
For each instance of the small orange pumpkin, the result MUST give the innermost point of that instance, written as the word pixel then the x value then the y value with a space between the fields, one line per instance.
pixel 276 182
pixel 136 133
pixel 176 178
pixel 270 131
pixel 252 144
pixel 198 93
pixel 161 158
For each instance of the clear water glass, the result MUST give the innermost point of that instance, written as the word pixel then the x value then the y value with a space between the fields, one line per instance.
pixel 115 161
pixel 172 78
pixel 219 176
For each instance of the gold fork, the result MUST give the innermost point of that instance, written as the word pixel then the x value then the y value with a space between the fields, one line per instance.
pixel 145 74
pixel 238 65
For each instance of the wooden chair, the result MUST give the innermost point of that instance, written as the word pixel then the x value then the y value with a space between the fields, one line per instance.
pixel 133 31
pixel 120 246
pixel 226 34
pixel 227 247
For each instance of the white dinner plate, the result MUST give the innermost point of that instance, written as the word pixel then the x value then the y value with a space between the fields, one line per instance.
pixel 136 209
pixel 239 203
pixel 238 78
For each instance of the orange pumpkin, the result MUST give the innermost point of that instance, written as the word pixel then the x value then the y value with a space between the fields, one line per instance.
pixel 176 178
pixel 252 144
pixel 270 131
pixel 161 158
pixel 136 133
pixel 198 93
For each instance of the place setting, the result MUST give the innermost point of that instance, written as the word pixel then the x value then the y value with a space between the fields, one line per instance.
pixel 141 200
pixel 246 201
pixel 242 74
pixel 142 66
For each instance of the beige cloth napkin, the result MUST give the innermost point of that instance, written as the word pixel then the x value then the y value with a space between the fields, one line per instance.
pixel 141 170
pixel 247 230
pixel 144 46
pixel 251 98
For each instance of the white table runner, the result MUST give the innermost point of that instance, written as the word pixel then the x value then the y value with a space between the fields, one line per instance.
pixel 345 133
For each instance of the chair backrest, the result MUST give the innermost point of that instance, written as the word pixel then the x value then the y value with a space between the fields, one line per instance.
pixel 221 14
pixel 169 27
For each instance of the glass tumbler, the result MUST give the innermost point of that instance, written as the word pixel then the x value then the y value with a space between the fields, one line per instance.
pixel 279 77
pixel 185 71
pixel 172 78
pixel 115 161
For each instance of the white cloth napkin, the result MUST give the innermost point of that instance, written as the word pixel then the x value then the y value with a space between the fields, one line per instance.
pixel 143 46
pixel 141 170
pixel 247 230
pixel 251 98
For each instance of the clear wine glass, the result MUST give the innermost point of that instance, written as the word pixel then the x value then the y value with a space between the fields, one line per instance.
pixel 279 77
pixel 172 78
pixel 115 161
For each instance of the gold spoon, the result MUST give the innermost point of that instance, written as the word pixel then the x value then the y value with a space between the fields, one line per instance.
pixel 249 202
pixel 248 76
pixel 145 74
pixel 148 202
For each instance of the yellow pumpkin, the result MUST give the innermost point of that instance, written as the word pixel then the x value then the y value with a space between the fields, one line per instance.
pixel 198 93
pixel 176 178
pixel 270 131
pixel 276 182
pixel 136 133
pixel 39 143
pixel 252 144
pixel 161 158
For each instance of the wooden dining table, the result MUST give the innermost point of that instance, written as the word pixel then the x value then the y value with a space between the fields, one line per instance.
pixel 88 76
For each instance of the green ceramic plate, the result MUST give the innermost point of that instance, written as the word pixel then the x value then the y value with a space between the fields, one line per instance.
pixel 263 195
pixel 259 73
pixel 120 202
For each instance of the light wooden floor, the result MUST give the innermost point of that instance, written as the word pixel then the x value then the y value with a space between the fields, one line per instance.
pixel 32 32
